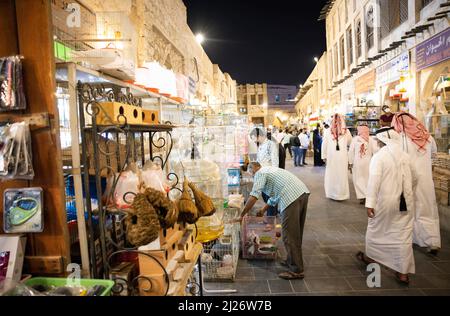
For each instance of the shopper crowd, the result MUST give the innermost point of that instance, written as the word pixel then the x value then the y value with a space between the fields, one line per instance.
pixel 392 176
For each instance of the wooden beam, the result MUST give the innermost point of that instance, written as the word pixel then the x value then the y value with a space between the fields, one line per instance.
pixel 35 43
pixel 8 46
pixel 8 39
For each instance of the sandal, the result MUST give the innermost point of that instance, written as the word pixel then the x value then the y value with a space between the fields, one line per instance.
pixel 400 280
pixel 361 256
pixel 291 276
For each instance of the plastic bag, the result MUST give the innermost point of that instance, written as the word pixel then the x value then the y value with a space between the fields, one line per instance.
pixel 127 187
pixel 15 152
pixel 153 177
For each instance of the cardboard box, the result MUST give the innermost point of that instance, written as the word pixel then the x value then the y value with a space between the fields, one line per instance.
pixel 12 253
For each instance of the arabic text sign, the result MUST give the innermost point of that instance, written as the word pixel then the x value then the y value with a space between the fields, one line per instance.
pixel 393 70
pixel 433 51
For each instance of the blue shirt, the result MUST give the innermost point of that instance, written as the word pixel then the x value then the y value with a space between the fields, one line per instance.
pixel 280 185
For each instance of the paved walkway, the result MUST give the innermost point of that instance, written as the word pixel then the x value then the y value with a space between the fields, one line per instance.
pixel 334 233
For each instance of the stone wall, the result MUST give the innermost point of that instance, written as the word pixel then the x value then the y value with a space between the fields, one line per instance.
pixel 165 37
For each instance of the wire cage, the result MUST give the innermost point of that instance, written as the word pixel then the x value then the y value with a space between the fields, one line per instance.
pixel 259 238
pixel 220 257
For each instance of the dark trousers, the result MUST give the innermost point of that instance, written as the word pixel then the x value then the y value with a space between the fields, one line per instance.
pixel 287 147
pixel 273 210
pixel 293 223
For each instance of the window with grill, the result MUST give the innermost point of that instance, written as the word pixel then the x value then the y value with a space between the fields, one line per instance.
pixel 336 61
pixel 358 39
pixel 342 53
pixel 261 99
pixel 370 30
pixel 350 46
pixel 253 99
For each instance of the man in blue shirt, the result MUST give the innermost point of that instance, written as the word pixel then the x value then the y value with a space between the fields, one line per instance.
pixel 291 195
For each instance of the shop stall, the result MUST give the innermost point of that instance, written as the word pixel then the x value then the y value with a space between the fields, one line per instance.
pixel 367 110
pixel 433 71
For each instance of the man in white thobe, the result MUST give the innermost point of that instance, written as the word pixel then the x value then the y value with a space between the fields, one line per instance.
pixel 335 145
pixel 420 145
pixel 362 148
pixel 390 227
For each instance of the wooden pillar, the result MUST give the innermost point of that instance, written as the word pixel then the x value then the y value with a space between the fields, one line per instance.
pixel 29 29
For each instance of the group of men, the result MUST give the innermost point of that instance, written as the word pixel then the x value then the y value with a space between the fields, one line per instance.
pixel 392 175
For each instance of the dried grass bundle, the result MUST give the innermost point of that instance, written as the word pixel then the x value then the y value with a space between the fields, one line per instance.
pixel 188 211
pixel 142 224
pixel 165 208
pixel 203 202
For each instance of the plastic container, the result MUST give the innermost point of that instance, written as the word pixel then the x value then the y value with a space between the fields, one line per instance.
pixel 259 238
pixel 88 283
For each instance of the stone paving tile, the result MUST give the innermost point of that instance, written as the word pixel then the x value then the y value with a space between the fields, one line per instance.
pixel 443 266
pixel 317 260
pixel 280 287
pixel 431 292
pixel 402 292
pixel 248 287
pixel 299 286
pixel 318 294
pixel 328 284
pixel 387 283
pixel 266 273
pixel 344 259
pixel 245 274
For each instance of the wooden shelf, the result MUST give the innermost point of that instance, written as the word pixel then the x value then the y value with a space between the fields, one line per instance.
pixel 179 288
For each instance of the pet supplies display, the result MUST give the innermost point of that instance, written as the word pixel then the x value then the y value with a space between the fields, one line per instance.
pixel 15 152
pixel 204 203
pixel 23 210
pixel 61 287
pixel 165 208
pixel 204 174
pixel 220 256
pixel 259 238
pixel 12 253
pixel 12 96
pixel 142 222
pixel 187 208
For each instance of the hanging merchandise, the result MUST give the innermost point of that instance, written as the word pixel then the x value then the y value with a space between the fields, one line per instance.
pixel 203 202
pixel 165 208
pixel 128 183
pixel 23 211
pixel 12 95
pixel 142 223
pixel 15 152
pixel 188 210
pixel 153 177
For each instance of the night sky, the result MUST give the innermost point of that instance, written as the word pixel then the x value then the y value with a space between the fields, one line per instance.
pixel 261 41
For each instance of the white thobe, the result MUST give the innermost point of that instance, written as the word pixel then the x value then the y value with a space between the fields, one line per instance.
pixel 361 163
pixel 389 233
pixel 336 174
pixel 426 225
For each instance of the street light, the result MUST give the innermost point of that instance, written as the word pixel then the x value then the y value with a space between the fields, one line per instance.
pixel 316 59
pixel 200 38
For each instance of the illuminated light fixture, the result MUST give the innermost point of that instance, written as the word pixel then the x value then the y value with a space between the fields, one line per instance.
pixel 316 59
pixel 200 38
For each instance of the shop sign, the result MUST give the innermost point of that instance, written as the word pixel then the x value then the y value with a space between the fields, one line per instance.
pixel 433 51
pixel 365 83
pixel 393 70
